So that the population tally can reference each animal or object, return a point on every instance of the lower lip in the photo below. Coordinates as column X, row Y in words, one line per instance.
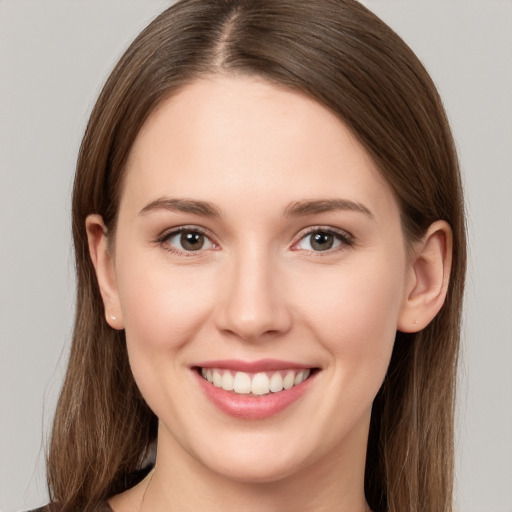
column 253, row 407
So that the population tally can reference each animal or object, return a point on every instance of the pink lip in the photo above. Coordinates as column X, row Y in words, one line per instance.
column 252, row 407
column 262, row 365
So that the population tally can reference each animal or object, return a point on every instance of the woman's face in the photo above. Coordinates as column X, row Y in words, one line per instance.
column 257, row 243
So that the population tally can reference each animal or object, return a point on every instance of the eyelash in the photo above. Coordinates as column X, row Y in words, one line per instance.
column 167, row 235
column 345, row 239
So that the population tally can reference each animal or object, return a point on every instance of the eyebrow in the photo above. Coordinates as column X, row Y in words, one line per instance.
column 303, row 208
column 295, row 209
column 182, row 205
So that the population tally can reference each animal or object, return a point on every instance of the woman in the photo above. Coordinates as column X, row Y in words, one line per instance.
column 270, row 248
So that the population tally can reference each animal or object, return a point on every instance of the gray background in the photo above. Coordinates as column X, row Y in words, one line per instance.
column 54, row 56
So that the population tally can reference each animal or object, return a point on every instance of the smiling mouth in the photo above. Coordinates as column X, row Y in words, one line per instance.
column 255, row 384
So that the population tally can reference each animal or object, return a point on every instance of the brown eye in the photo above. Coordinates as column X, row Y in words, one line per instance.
column 187, row 240
column 321, row 241
column 192, row 241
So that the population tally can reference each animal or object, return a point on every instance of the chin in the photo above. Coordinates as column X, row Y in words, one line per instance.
column 256, row 461
column 262, row 472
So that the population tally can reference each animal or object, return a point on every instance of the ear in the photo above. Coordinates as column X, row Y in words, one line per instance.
column 428, row 278
column 103, row 262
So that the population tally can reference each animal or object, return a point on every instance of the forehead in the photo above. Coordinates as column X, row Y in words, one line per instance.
column 245, row 136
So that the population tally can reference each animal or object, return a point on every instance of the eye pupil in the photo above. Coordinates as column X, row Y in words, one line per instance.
column 191, row 241
column 322, row 241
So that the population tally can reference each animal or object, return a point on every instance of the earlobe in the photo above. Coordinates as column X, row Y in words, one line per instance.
column 429, row 275
column 103, row 262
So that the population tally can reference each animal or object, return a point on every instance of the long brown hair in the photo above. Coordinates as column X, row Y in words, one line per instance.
column 340, row 54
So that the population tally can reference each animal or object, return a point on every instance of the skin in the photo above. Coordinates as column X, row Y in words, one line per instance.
column 259, row 289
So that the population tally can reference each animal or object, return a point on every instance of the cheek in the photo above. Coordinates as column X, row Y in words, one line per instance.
column 355, row 314
column 356, row 325
column 162, row 308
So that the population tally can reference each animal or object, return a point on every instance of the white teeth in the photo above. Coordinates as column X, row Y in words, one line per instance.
column 298, row 378
column 261, row 383
column 217, row 378
column 242, row 383
column 301, row 376
column 227, row 381
column 289, row 380
column 276, row 383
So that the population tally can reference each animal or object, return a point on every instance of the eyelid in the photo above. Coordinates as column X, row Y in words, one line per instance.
column 169, row 233
column 347, row 239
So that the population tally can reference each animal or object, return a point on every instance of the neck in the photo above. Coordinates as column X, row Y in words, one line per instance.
column 333, row 482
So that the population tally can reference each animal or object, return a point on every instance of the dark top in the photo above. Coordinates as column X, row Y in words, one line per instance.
column 129, row 481
column 103, row 507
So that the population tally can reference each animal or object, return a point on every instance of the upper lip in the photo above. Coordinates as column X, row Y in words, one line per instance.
column 261, row 365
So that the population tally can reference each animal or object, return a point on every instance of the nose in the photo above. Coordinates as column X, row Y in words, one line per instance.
column 253, row 304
